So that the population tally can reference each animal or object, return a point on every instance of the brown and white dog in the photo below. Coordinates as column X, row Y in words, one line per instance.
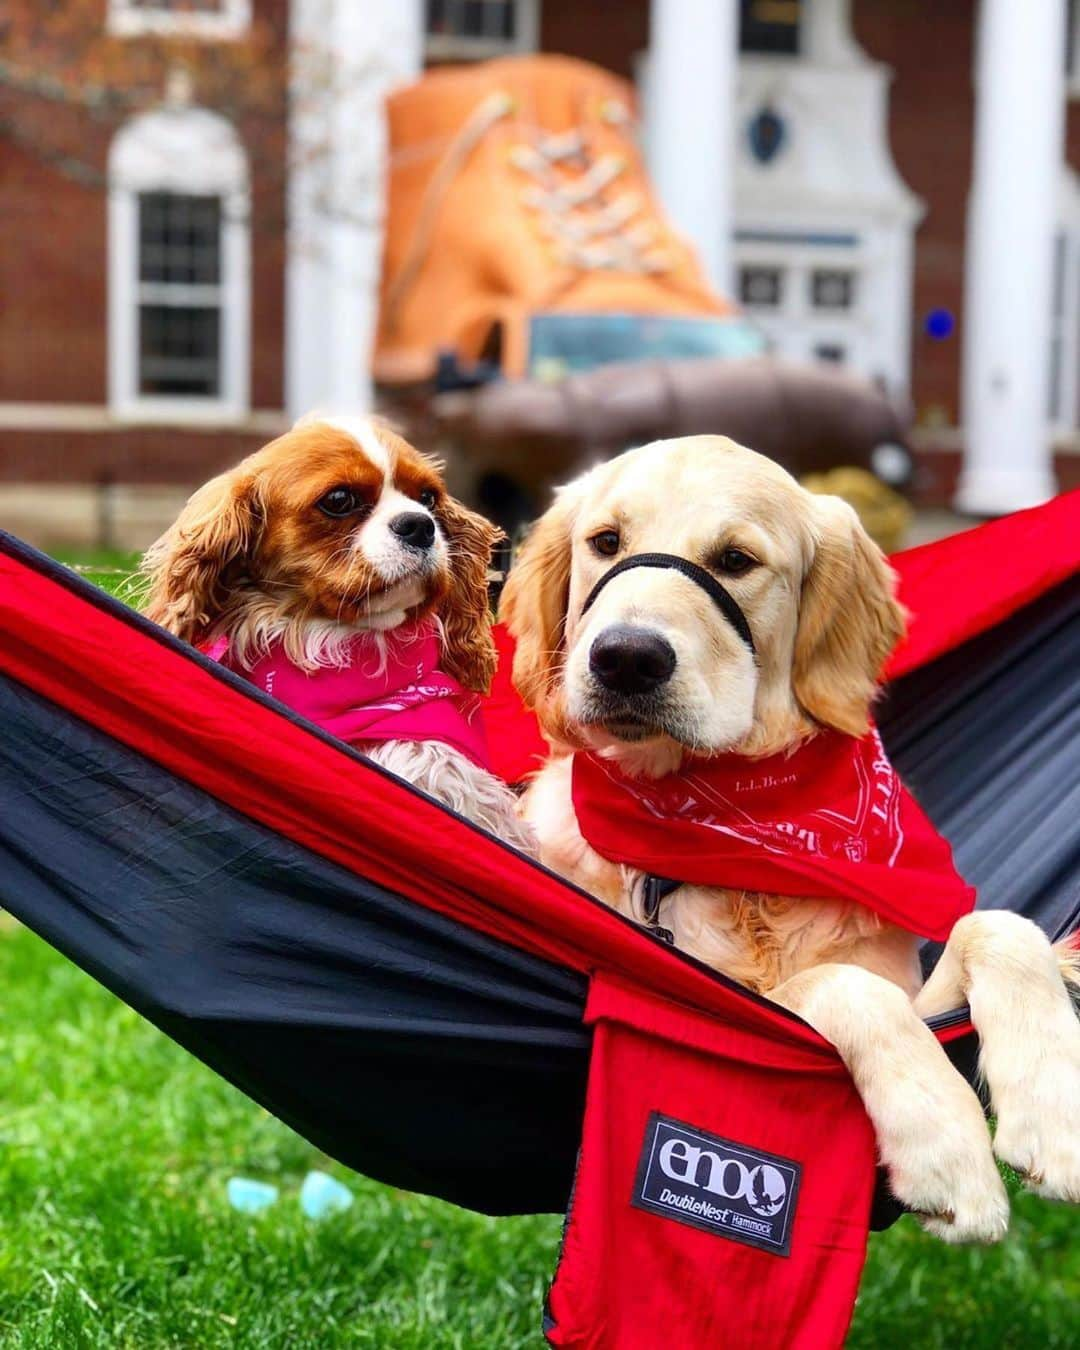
column 341, row 528
column 818, row 597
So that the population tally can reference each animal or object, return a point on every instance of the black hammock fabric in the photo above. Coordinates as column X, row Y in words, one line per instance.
column 405, row 1043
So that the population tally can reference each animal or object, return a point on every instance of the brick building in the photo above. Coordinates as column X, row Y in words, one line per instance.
column 183, row 270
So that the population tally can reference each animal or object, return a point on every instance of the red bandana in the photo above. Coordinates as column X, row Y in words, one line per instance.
column 830, row 819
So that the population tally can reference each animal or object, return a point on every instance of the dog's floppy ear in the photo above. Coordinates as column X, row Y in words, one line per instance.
column 468, row 646
column 849, row 621
column 189, row 569
column 535, row 600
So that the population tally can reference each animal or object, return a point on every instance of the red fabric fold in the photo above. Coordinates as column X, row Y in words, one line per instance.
column 517, row 747
column 959, row 587
column 181, row 714
column 723, row 1188
column 830, row 819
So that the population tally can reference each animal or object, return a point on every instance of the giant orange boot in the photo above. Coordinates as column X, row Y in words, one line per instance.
column 522, row 229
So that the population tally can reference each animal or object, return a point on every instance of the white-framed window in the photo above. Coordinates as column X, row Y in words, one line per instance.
column 476, row 30
column 804, row 291
column 179, row 269
column 210, row 19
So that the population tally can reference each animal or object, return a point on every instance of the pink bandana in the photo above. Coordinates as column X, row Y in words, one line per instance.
column 388, row 689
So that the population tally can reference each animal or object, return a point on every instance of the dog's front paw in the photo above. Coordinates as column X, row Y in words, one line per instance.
column 1038, row 1112
column 956, row 1198
column 941, row 1167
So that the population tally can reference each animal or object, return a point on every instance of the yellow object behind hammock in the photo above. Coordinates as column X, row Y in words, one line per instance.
column 886, row 516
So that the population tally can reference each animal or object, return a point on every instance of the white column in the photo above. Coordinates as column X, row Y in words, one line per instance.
column 691, row 135
column 344, row 57
column 1019, row 114
column 825, row 34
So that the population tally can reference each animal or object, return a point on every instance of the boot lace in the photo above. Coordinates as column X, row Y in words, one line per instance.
column 570, row 192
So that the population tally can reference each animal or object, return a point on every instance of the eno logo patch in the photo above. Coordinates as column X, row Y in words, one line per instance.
column 711, row 1183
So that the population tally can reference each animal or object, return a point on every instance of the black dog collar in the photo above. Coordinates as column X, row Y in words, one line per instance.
column 698, row 575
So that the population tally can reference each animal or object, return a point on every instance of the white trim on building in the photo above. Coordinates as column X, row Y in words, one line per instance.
column 19, row 416
column 188, row 153
column 826, row 198
column 165, row 18
column 827, row 207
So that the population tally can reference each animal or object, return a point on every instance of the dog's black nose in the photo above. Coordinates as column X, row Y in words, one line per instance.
column 414, row 528
column 631, row 660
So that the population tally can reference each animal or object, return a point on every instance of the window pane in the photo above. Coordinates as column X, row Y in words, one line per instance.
column 830, row 351
column 493, row 20
column 179, row 238
column 769, row 26
column 831, row 288
column 507, row 25
column 179, row 350
column 761, row 287
column 473, row 18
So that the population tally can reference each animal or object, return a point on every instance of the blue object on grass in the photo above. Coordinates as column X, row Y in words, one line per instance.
column 321, row 1195
column 250, row 1196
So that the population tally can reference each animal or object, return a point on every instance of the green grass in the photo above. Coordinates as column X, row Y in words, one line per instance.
column 111, row 569
column 115, row 1148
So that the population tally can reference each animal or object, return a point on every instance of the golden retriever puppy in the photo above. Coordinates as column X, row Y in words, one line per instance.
column 687, row 615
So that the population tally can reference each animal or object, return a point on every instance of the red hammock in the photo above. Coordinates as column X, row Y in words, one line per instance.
column 405, row 990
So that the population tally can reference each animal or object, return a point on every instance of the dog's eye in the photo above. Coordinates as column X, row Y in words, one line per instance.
column 429, row 498
column 734, row 562
column 606, row 543
column 339, row 502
